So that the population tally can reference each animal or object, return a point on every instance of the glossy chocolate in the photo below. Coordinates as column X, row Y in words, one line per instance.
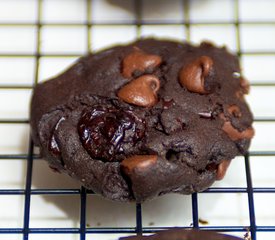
column 138, row 60
column 234, row 134
column 141, row 91
column 235, row 111
column 244, row 85
column 222, row 168
column 193, row 75
column 138, row 161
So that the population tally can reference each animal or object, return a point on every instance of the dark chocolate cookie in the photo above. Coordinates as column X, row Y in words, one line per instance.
column 154, row 117
column 181, row 234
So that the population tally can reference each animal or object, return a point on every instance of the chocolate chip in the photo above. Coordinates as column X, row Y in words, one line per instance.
column 139, row 61
column 235, row 111
column 244, row 85
column 239, row 94
column 244, row 88
column 233, row 133
column 138, row 161
column 141, row 91
column 193, row 75
column 222, row 168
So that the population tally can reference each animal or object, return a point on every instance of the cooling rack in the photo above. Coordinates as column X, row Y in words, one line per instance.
column 182, row 24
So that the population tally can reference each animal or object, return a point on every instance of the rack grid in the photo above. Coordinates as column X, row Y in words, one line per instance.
column 83, row 230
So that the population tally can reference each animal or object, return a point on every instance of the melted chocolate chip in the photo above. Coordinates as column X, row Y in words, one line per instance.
column 244, row 89
column 193, row 75
column 138, row 161
column 234, row 134
column 141, row 91
column 139, row 61
column 104, row 131
column 239, row 94
column 235, row 111
column 222, row 168
column 244, row 85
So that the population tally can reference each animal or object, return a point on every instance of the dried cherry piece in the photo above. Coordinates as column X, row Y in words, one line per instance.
column 105, row 131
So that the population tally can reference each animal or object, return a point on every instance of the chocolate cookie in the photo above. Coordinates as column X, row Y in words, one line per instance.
column 181, row 234
column 138, row 121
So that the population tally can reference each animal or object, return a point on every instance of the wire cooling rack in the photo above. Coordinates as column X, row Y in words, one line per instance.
column 133, row 20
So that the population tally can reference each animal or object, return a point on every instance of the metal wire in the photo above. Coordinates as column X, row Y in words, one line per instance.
column 83, row 230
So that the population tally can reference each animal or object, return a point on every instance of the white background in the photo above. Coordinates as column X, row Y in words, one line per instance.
column 61, row 44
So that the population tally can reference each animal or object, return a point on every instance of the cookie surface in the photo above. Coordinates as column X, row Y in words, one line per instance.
column 181, row 234
column 137, row 121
